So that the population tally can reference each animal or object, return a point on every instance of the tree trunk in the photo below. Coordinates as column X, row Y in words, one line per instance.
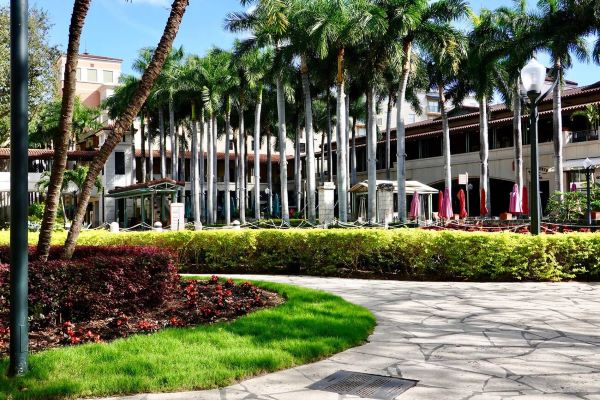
column 236, row 173
column 227, row 197
column 445, row 139
column 201, row 169
column 61, row 142
column 401, row 132
column 329, row 134
column 142, row 146
column 257, row 155
column 269, row 174
column 388, row 137
column 342, row 181
column 484, row 151
column 151, row 157
column 173, row 134
column 558, row 140
column 181, row 150
column 195, row 171
column 162, row 147
column 372, row 151
column 246, row 170
column 209, row 172
column 133, row 180
column 354, row 177
column 242, row 167
column 216, row 172
column 347, row 145
column 298, row 168
column 285, row 211
column 518, row 137
column 322, row 171
column 141, row 94
column 311, row 184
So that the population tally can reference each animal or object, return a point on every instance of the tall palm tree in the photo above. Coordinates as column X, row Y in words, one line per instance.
column 562, row 43
column 122, row 124
column 444, row 57
column 61, row 142
column 416, row 23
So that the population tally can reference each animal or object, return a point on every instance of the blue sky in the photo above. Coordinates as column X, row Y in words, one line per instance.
column 117, row 28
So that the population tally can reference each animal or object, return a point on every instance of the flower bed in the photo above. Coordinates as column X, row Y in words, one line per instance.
column 110, row 292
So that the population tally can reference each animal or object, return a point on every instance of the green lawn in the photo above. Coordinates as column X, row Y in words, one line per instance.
column 309, row 326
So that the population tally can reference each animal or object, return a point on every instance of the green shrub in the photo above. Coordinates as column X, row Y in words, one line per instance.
column 397, row 254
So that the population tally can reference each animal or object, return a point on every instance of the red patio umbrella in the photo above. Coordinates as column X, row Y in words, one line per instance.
column 462, row 204
column 415, row 206
column 483, row 210
column 447, row 204
column 515, row 204
column 525, row 201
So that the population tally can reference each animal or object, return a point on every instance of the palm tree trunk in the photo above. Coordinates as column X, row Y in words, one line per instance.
column 61, row 142
column 559, row 183
column 201, row 176
column 354, row 177
column 285, row 211
column 195, row 171
column 236, row 176
column 518, row 137
column 310, row 145
column 484, row 151
column 246, row 170
column 445, row 139
column 342, row 181
column 329, row 134
column 142, row 146
column 210, row 172
column 372, row 150
column 298, row 168
column 227, row 197
column 257, row 155
column 181, row 150
column 269, row 174
column 322, row 158
column 401, row 132
column 147, row 81
column 216, row 172
column 347, row 145
column 173, row 134
column 242, row 167
column 163, row 153
column 388, row 137
column 133, row 180
column 151, row 157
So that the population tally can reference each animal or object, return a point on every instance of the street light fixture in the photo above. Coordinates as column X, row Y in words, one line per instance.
column 588, row 167
column 533, row 76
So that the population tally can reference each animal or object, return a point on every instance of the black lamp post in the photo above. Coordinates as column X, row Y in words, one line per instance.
column 19, row 143
column 589, row 169
column 533, row 76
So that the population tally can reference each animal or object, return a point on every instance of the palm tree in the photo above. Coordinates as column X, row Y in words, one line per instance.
column 444, row 58
column 591, row 113
column 561, row 42
column 61, row 142
column 122, row 124
column 415, row 23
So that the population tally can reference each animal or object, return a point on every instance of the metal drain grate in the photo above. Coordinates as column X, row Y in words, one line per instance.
column 364, row 385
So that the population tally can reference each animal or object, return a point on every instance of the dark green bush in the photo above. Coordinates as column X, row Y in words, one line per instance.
column 398, row 254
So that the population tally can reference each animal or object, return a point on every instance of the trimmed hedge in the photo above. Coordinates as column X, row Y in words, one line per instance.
column 398, row 254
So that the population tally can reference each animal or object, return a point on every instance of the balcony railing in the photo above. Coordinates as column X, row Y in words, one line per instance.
column 583, row 136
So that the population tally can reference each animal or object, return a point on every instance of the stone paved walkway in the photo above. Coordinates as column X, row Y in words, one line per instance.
column 460, row 340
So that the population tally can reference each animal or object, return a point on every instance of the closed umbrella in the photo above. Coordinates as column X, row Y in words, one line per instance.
column 515, row 205
column 448, row 213
column 483, row 210
column 573, row 187
column 415, row 206
column 441, row 204
column 525, row 201
column 462, row 204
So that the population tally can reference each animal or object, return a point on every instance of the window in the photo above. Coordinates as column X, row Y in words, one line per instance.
column 78, row 74
column 107, row 76
column 412, row 149
column 433, row 106
column 431, row 147
column 92, row 75
column 458, row 143
column 412, row 118
column 119, row 163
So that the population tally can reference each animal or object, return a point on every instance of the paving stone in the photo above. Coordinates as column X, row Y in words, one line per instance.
column 476, row 341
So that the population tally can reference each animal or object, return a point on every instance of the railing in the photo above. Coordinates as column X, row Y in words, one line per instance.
column 583, row 136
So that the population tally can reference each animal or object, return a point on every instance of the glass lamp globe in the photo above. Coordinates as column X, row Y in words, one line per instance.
column 533, row 76
column 587, row 163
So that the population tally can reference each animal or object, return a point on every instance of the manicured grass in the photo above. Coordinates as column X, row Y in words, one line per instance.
column 309, row 326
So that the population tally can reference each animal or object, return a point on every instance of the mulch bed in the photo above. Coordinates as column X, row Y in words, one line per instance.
column 195, row 302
